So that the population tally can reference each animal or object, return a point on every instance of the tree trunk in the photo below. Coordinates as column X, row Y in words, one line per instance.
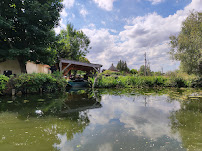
column 22, row 63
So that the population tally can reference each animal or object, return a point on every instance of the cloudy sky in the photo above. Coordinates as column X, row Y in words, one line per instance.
column 126, row 29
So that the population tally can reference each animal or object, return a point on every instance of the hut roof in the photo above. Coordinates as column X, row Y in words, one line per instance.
column 112, row 68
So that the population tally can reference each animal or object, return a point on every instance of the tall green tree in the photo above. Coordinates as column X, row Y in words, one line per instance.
column 142, row 70
column 187, row 45
column 72, row 44
column 26, row 30
column 122, row 66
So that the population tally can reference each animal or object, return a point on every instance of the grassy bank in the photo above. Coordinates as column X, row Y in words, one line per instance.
column 148, row 81
column 32, row 83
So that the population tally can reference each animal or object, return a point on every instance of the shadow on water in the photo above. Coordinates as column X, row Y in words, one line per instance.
column 103, row 119
column 37, row 121
column 187, row 121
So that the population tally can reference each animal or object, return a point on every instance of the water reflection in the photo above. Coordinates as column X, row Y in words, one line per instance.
column 37, row 122
column 126, row 119
column 187, row 122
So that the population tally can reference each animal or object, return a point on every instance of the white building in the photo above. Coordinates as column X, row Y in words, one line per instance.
column 14, row 67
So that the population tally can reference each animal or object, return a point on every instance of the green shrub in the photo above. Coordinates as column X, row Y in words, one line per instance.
column 33, row 82
column 3, row 81
column 195, row 82
column 109, row 72
column 129, row 81
column 178, row 82
column 133, row 71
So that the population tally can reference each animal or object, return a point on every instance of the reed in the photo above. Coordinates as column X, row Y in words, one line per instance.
column 142, row 81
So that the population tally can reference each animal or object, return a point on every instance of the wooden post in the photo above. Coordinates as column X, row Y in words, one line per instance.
column 13, row 92
column 145, row 66
column 60, row 65
column 13, row 98
column 66, row 67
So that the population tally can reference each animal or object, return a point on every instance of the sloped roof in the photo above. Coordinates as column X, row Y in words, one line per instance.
column 112, row 68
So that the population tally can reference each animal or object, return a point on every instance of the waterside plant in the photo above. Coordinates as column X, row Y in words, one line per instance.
column 144, row 81
column 31, row 83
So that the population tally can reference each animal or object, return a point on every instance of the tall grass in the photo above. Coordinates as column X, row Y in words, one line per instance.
column 142, row 81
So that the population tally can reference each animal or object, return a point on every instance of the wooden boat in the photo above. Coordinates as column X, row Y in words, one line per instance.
column 78, row 83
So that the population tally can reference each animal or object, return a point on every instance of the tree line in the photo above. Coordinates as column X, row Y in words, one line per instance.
column 186, row 47
column 26, row 33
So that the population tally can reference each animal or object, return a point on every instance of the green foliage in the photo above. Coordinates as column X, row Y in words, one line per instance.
column 130, row 81
column 176, row 82
column 158, row 73
column 33, row 82
column 72, row 44
column 133, row 71
column 122, row 66
column 187, row 46
column 3, row 81
column 26, row 30
column 109, row 72
column 142, row 70
column 148, row 81
column 182, row 79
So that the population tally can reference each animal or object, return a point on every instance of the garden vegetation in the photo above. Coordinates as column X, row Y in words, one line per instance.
column 32, row 83
column 136, row 81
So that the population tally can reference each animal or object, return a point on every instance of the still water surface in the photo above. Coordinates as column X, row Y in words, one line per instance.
column 102, row 120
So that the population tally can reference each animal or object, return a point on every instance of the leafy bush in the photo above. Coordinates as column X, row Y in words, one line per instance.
column 33, row 82
column 129, row 81
column 3, row 81
column 148, row 81
column 109, row 72
column 176, row 82
column 195, row 82
column 133, row 71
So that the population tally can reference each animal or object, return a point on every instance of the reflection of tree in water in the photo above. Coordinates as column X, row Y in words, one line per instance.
column 187, row 122
column 23, row 127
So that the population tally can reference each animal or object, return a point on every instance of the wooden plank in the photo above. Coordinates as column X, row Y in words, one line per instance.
column 96, row 69
column 66, row 67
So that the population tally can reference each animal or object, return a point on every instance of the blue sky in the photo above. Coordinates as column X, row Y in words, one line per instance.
column 126, row 29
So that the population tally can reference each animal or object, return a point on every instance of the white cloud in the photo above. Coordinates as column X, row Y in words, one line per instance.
column 73, row 16
column 149, row 33
column 103, row 22
column 154, row 2
column 106, row 146
column 68, row 3
column 63, row 13
column 83, row 12
column 105, row 4
column 60, row 27
column 143, row 120
column 91, row 25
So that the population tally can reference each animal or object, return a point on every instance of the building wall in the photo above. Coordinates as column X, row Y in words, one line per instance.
column 36, row 68
column 31, row 67
column 12, row 65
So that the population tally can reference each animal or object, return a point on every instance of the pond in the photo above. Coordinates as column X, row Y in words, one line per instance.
column 103, row 120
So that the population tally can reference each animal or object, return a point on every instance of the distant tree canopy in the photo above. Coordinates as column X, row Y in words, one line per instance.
column 133, row 71
column 187, row 45
column 26, row 30
column 122, row 66
column 72, row 44
column 142, row 70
